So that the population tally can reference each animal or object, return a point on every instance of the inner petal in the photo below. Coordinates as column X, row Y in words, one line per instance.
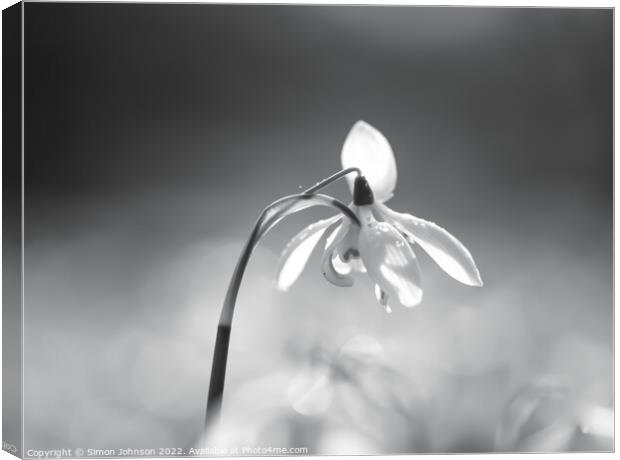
column 298, row 251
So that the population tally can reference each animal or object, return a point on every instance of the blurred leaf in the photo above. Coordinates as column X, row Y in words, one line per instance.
column 539, row 418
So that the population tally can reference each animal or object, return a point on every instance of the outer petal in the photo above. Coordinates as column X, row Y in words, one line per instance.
column 298, row 251
column 276, row 214
column 449, row 253
column 295, row 203
column 390, row 262
column 366, row 148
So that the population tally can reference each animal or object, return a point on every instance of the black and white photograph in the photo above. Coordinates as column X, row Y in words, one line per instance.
column 239, row 230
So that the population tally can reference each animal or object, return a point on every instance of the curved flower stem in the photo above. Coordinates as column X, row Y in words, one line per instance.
column 267, row 219
column 334, row 177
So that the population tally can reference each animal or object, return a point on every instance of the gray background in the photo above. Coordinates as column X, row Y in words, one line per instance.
column 156, row 133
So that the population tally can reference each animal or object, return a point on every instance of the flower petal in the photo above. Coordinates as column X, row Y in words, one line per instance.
column 347, row 253
column 366, row 148
column 382, row 298
column 341, row 266
column 291, row 204
column 298, row 251
column 357, row 265
column 352, row 265
column 449, row 253
column 390, row 262
column 329, row 270
column 347, row 247
column 277, row 213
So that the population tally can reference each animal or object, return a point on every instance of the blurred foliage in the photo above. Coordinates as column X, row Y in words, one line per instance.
column 352, row 400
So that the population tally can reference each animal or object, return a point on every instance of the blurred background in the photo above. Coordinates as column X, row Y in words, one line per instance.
column 154, row 136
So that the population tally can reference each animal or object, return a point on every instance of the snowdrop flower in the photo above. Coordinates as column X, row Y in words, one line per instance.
column 383, row 245
column 366, row 236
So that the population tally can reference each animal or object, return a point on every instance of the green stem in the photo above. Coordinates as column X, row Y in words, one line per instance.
column 263, row 224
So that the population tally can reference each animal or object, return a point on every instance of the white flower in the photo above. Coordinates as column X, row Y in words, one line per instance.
column 383, row 245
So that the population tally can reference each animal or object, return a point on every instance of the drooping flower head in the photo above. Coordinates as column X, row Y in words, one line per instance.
column 383, row 245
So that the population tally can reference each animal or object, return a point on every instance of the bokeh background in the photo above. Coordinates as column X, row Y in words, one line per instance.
column 154, row 135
